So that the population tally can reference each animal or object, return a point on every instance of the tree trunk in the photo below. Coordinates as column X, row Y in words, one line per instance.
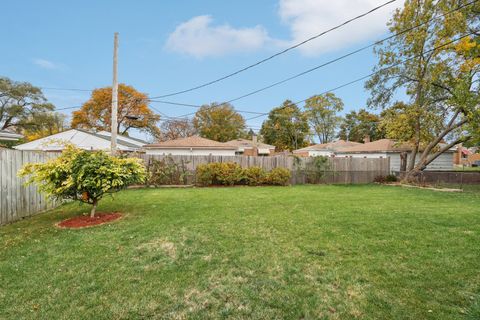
column 94, row 208
column 425, row 161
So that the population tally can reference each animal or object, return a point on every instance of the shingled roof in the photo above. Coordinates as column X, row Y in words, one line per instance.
column 382, row 145
column 249, row 144
column 194, row 142
column 331, row 146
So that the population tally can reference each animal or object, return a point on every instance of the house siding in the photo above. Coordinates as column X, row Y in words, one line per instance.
column 443, row 162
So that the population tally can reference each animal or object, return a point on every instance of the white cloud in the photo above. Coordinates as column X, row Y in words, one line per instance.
column 199, row 38
column 46, row 64
column 306, row 18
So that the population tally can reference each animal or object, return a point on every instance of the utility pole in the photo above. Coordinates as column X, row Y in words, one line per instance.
column 113, row 137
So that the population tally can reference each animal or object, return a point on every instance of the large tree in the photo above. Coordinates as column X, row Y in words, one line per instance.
column 356, row 126
column 437, row 66
column 176, row 128
column 322, row 114
column 219, row 122
column 47, row 124
column 21, row 105
column 286, row 127
column 133, row 111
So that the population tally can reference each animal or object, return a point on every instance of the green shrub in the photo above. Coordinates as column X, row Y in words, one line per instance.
column 279, row 177
column 219, row 173
column 84, row 176
column 254, row 176
column 229, row 173
column 204, row 175
column 167, row 172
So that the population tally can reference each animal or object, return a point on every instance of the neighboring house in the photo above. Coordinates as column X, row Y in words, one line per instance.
column 474, row 159
column 324, row 149
column 461, row 155
column 82, row 139
column 252, row 147
column 387, row 148
column 194, row 145
column 9, row 136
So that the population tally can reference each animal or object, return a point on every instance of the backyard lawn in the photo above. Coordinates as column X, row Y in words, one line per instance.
column 303, row 252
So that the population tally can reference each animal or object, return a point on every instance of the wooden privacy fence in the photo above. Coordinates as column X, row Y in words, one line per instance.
column 17, row 200
column 338, row 170
column 446, row 177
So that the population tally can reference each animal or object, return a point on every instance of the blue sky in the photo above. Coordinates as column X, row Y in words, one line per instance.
column 167, row 46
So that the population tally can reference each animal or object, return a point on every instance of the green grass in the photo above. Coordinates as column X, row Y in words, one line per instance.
column 466, row 169
column 304, row 252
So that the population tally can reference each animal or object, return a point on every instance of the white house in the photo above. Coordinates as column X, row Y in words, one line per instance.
column 324, row 149
column 82, row 139
column 9, row 136
column 194, row 145
column 387, row 148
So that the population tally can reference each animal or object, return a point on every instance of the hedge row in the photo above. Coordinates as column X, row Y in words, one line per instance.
column 231, row 173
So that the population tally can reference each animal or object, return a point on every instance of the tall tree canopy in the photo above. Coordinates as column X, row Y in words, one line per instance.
column 21, row 105
column 438, row 73
column 357, row 125
column 48, row 124
column 219, row 122
column 286, row 127
column 133, row 111
column 176, row 128
column 322, row 114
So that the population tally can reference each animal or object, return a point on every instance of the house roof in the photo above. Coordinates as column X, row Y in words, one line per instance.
column 194, row 142
column 245, row 143
column 331, row 146
column 9, row 136
column 127, row 140
column 80, row 138
column 382, row 145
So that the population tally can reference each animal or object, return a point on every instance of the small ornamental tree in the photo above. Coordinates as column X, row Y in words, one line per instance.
column 84, row 176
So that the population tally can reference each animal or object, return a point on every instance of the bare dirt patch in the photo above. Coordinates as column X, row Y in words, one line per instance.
column 87, row 221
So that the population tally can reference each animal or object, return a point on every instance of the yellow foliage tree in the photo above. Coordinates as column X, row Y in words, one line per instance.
column 133, row 111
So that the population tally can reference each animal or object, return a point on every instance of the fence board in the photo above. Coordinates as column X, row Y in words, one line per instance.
column 18, row 201
column 340, row 170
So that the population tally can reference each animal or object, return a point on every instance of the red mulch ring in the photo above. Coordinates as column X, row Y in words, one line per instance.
column 86, row 221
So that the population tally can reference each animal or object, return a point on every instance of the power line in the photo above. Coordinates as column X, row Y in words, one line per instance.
column 348, row 54
column 294, row 76
column 323, row 64
column 198, row 106
column 276, row 54
column 369, row 75
column 65, row 89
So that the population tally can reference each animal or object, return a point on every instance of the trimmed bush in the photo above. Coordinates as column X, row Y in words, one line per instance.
column 219, row 173
column 254, row 176
column 204, row 175
column 279, row 177
column 231, row 173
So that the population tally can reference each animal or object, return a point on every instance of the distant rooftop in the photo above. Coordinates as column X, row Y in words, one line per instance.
column 249, row 144
column 194, row 142
column 331, row 146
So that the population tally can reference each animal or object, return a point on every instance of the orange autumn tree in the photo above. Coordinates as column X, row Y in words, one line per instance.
column 133, row 111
